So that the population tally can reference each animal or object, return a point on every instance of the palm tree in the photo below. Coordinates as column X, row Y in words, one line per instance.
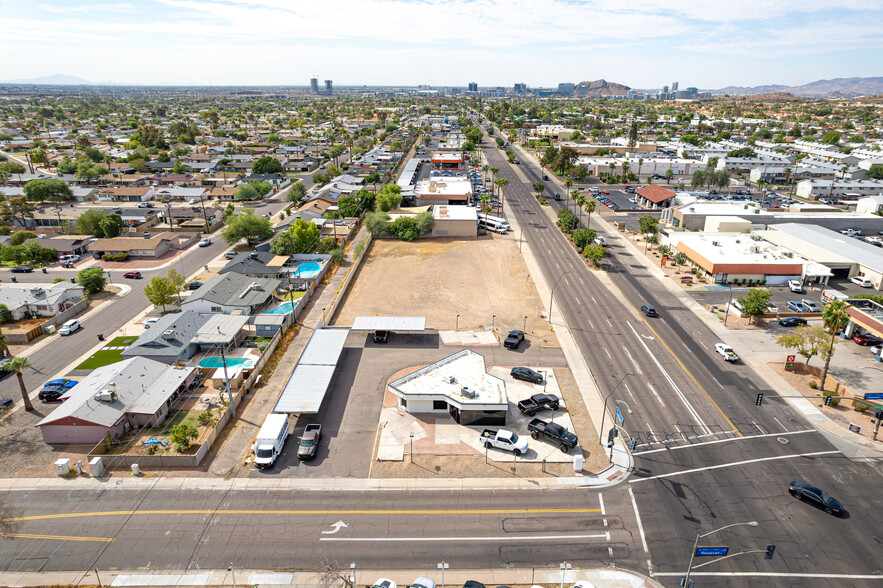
column 834, row 316
column 625, row 169
column 640, row 163
column 669, row 174
column 17, row 364
column 501, row 183
column 485, row 168
column 590, row 208
column 612, row 166
column 568, row 183
column 578, row 203
column 494, row 171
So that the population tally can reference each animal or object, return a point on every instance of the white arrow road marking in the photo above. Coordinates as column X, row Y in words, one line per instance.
column 336, row 527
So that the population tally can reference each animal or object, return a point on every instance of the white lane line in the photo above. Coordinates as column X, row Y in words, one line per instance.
column 652, row 434
column 632, row 359
column 593, row 298
column 640, row 526
column 604, row 519
column 759, row 430
column 577, row 300
column 591, row 323
column 780, row 424
column 581, row 281
column 608, row 353
column 632, row 396
column 608, row 322
column 701, row 343
column 503, row 539
column 745, row 438
column 716, row 382
column 735, row 463
column 777, row 575
column 685, row 346
column 677, row 390
column 656, row 394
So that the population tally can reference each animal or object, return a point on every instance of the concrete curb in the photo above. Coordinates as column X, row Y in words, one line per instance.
column 601, row 577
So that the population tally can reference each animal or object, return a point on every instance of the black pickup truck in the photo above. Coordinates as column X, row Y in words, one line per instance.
column 538, row 402
column 552, row 432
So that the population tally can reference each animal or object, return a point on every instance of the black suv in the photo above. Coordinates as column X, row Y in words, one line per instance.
column 514, row 339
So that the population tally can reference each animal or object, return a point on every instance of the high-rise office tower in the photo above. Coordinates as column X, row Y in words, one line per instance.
column 328, row 88
column 314, row 86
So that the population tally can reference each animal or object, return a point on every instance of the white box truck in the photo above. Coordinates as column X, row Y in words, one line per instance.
column 270, row 440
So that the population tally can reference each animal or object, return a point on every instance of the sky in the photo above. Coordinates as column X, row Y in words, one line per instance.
column 640, row 43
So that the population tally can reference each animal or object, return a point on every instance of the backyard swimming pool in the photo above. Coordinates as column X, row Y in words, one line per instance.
column 308, row 269
column 284, row 308
column 215, row 362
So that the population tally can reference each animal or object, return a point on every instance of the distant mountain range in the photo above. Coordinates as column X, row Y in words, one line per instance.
column 601, row 88
column 846, row 87
column 53, row 80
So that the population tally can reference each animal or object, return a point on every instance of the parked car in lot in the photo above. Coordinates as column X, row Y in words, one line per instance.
column 69, row 327
column 22, row 269
column 552, row 432
column 810, row 305
column 795, row 286
column 513, row 340
column 384, row 583
column 538, row 402
column 504, row 439
column 54, row 389
column 600, row 240
column 796, row 306
column 816, row 497
column 876, row 349
column 309, row 442
column 726, row 351
column 132, row 275
column 526, row 374
column 867, row 339
column 422, row 582
column 861, row 281
column 792, row 321
column 648, row 310
column 381, row 336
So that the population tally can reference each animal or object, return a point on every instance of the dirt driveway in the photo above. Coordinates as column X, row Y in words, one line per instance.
column 441, row 278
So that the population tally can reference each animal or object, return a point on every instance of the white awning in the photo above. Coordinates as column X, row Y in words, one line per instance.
column 389, row 323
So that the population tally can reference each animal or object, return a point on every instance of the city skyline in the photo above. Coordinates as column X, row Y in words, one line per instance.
column 644, row 45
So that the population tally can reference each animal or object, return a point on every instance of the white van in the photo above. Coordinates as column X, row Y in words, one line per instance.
column 69, row 327
column 270, row 440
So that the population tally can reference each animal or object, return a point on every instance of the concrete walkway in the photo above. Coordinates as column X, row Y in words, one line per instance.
column 600, row 577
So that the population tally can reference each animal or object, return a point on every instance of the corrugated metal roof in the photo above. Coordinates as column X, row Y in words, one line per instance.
column 306, row 388
column 389, row 323
column 324, row 347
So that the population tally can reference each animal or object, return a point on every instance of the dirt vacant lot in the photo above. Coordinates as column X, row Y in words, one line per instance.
column 441, row 278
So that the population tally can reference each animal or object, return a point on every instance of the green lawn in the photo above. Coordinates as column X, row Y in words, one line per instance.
column 106, row 356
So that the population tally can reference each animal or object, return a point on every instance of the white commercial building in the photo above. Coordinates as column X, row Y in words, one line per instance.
column 839, row 189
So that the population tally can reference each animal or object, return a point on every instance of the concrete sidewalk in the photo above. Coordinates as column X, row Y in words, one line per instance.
column 600, row 577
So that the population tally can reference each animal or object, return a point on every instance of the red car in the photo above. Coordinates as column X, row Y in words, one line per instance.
column 605, row 192
column 867, row 339
column 132, row 275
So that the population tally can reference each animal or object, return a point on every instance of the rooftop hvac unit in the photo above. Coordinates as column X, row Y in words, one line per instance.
column 788, row 254
column 106, row 395
column 755, row 249
column 468, row 392
column 716, row 243
column 755, row 237
column 37, row 291
column 168, row 334
column 450, row 380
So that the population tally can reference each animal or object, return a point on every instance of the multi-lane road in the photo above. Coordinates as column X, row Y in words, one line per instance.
column 706, row 458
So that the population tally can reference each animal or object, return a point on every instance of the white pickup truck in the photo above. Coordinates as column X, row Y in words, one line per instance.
column 504, row 439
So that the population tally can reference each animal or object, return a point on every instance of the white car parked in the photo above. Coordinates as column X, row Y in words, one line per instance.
column 726, row 351
column 69, row 327
column 861, row 281
column 599, row 240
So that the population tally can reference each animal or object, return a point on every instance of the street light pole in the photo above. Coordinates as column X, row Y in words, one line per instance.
column 552, row 295
column 458, row 323
column 696, row 544
column 604, row 411
column 729, row 301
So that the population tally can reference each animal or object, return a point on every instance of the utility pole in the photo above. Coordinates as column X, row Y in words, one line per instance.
column 227, row 383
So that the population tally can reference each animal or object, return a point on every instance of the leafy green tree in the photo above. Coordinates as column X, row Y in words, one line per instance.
column 755, row 302
column 580, row 238
column 246, row 192
column 177, row 280
column 89, row 222
column 267, row 165
column 18, row 365
column 263, row 188
column 404, row 228
column 92, row 280
column 246, row 226
column 179, row 168
column 111, row 225
column 389, row 197
column 834, row 316
column 377, row 223
column 424, row 222
column 594, row 253
column 698, row 179
column 808, row 341
column 182, row 435
column 20, row 237
column 301, row 237
column 18, row 208
column 5, row 317
column 831, row 138
column 38, row 156
column 743, row 152
column 349, row 206
column 160, row 291
column 876, row 171
column 648, row 224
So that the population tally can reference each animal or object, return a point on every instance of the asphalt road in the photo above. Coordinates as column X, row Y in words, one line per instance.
column 683, row 395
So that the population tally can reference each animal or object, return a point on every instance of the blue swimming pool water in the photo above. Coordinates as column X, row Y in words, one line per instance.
column 308, row 269
column 284, row 308
column 215, row 362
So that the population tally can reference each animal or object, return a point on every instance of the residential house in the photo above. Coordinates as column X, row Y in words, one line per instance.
column 67, row 244
column 40, row 300
column 142, row 246
column 232, row 293
column 170, row 339
column 179, row 193
column 133, row 194
column 136, row 392
column 258, row 264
